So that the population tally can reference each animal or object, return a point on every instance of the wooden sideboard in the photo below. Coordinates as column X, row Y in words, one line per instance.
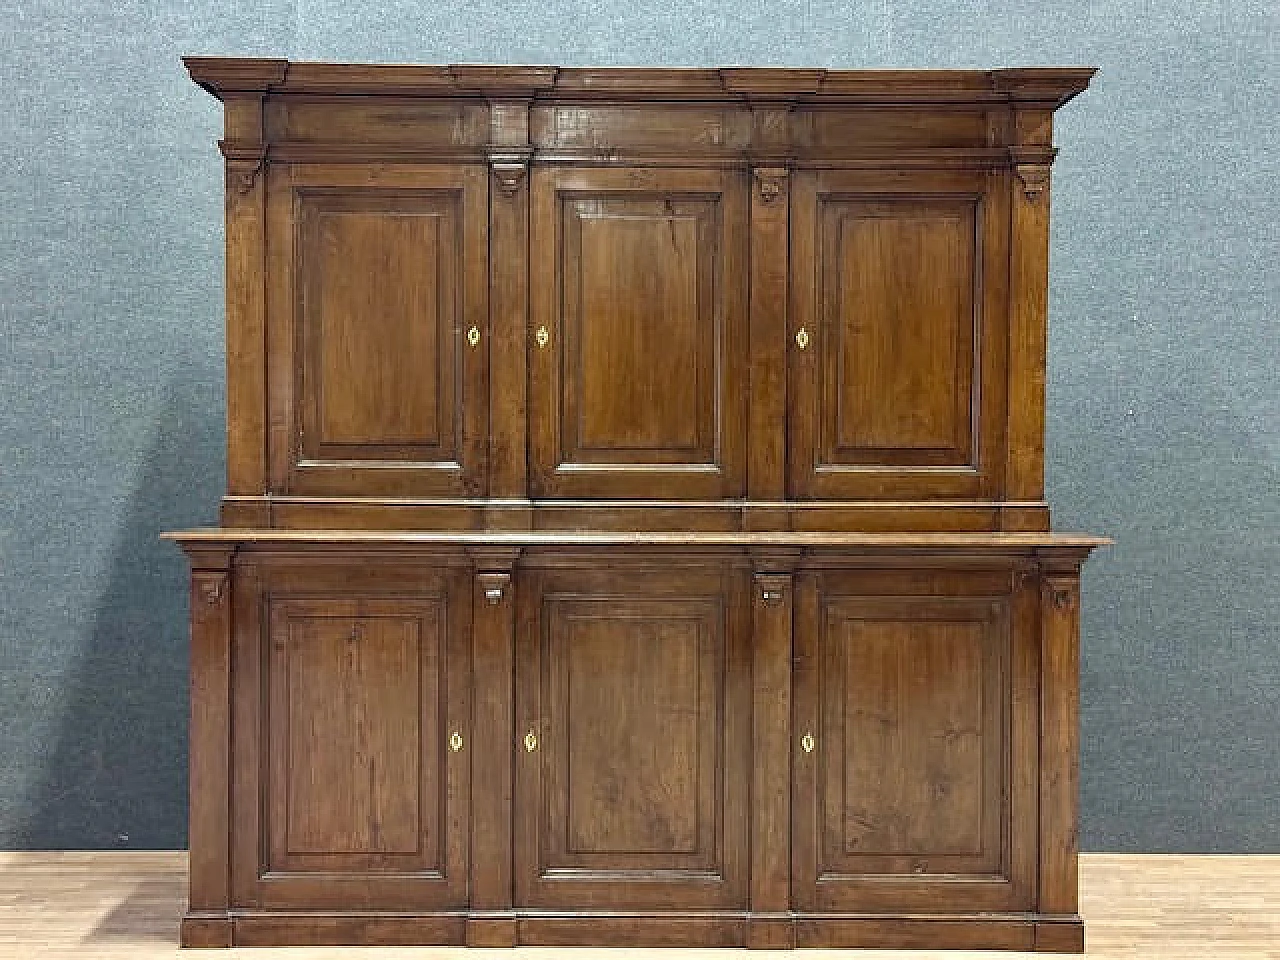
column 635, row 526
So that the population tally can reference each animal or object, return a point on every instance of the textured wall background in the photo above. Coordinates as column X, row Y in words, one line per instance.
column 1164, row 397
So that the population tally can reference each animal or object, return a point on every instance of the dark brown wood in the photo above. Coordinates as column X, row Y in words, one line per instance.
column 632, row 791
column 347, row 737
column 771, row 604
column 245, row 200
column 379, row 279
column 209, row 823
column 911, row 801
column 492, row 922
column 896, row 382
column 770, row 207
column 1059, row 734
column 508, row 296
column 639, row 341
column 634, row 530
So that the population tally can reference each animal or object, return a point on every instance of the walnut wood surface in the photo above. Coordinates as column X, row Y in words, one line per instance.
column 635, row 528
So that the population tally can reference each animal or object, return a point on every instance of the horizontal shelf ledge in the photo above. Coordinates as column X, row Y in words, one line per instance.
column 535, row 538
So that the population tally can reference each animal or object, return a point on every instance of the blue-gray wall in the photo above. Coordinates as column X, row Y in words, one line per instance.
column 1164, row 404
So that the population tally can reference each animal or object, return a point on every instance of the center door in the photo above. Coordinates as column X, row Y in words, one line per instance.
column 633, row 695
column 638, row 333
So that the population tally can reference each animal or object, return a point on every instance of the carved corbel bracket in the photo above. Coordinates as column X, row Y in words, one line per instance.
column 1035, row 179
column 1062, row 593
column 493, row 569
column 771, row 181
column 494, row 586
column 509, row 175
column 772, row 587
column 243, row 167
column 1032, row 165
column 211, row 587
column 1064, row 598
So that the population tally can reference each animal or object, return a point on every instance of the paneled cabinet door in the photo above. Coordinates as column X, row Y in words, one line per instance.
column 898, row 342
column 378, row 329
column 915, row 753
column 632, row 759
column 638, row 333
column 352, row 775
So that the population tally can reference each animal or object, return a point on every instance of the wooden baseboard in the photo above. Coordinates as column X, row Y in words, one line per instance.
column 716, row 929
column 198, row 930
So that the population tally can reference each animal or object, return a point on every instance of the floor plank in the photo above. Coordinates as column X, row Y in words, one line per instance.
column 117, row 905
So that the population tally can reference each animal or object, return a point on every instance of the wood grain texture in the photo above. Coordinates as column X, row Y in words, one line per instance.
column 908, row 802
column 772, row 607
column 770, row 268
column 634, row 794
column 208, row 824
column 346, row 788
column 245, row 205
column 639, row 342
column 377, row 277
column 899, row 386
column 493, row 608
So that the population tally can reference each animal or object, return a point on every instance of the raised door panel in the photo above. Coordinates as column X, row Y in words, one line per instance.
column 364, row 798
column 909, row 791
column 638, row 344
column 897, row 379
column 633, row 794
column 378, row 279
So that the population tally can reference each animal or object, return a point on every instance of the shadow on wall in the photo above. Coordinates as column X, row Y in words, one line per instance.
column 115, row 771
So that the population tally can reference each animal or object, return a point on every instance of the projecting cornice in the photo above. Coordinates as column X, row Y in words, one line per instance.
column 1043, row 86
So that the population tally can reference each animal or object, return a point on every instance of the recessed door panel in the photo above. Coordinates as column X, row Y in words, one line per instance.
column 364, row 682
column 631, row 784
column 895, row 382
column 905, row 790
column 637, row 333
column 387, row 277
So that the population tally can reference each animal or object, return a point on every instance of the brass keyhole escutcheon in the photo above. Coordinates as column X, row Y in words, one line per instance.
column 530, row 741
column 473, row 336
column 542, row 337
column 807, row 743
column 455, row 741
column 802, row 338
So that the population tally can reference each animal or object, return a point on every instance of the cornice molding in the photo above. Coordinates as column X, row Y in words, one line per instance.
column 1046, row 87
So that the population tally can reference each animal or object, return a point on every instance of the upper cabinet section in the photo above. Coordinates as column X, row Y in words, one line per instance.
column 532, row 296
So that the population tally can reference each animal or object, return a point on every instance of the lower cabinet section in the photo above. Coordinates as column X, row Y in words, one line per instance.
column 729, row 744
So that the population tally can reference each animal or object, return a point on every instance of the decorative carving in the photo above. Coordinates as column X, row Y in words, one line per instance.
column 211, row 589
column 1064, row 597
column 494, row 586
column 243, row 171
column 1035, row 179
column 773, row 587
column 771, row 181
column 509, row 176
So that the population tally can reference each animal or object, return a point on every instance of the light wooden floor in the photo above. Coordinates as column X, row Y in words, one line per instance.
column 112, row 906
